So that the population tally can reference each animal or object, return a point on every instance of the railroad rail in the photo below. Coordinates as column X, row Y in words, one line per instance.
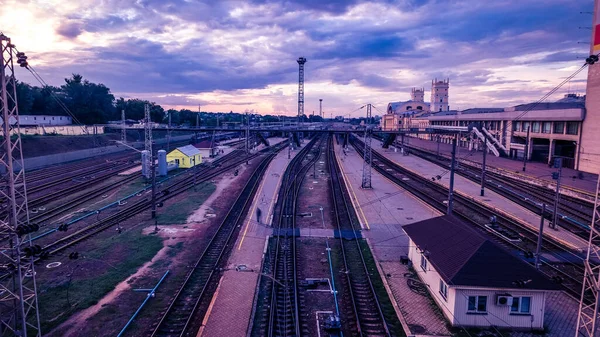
column 565, row 266
column 574, row 214
column 185, row 312
column 367, row 310
column 284, row 314
column 168, row 192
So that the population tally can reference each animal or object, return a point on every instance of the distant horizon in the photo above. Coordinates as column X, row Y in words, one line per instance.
column 241, row 55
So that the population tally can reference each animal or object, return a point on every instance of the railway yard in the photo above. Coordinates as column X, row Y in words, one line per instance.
column 281, row 240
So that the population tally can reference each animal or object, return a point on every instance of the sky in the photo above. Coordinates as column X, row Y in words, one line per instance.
column 241, row 55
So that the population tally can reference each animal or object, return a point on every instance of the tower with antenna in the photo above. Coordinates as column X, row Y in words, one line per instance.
column 19, row 315
column 321, row 108
column 301, row 61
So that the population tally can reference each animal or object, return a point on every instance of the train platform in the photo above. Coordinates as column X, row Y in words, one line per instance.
column 383, row 210
column 534, row 170
column 471, row 190
column 231, row 308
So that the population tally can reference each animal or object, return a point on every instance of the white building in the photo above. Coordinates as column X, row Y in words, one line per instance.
column 473, row 281
column 37, row 120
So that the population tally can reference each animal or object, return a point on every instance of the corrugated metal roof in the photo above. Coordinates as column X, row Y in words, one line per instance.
column 189, row 150
column 463, row 256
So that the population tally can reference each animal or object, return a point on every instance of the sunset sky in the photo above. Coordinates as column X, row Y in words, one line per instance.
column 241, row 55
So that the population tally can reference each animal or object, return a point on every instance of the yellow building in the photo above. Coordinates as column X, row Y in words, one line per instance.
column 185, row 156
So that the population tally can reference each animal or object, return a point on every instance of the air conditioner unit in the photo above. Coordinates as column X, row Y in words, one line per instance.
column 504, row 300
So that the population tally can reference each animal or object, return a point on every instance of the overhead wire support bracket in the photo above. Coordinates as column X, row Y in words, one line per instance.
column 19, row 313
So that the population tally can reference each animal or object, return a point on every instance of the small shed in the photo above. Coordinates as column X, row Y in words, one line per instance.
column 185, row 156
column 474, row 282
column 206, row 148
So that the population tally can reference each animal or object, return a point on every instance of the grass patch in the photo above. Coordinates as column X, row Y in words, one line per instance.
column 386, row 304
column 177, row 213
column 94, row 275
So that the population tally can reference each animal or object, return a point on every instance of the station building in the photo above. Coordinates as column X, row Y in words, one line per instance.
column 568, row 128
column 185, row 156
column 474, row 282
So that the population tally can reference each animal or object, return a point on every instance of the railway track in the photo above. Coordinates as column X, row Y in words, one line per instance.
column 574, row 214
column 185, row 312
column 168, row 192
column 284, row 314
column 558, row 262
column 367, row 310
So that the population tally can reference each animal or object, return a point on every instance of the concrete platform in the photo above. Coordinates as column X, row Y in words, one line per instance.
column 231, row 309
column 534, row 170
column 384, row 210
column 493, row 200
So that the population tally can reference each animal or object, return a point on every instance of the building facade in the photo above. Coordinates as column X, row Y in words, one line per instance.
column 185, row 156
column 474, row 282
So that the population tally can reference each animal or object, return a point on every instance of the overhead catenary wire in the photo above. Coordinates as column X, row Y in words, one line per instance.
column 39, row 78
column 531, row 107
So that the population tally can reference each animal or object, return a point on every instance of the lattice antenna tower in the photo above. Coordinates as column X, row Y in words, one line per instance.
column 148, row 139
column 19, row 315
column 590, row 294
column 321, row 108
column 368, row 157
column 301, row 61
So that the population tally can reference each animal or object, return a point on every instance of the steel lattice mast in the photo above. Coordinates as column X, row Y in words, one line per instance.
column 301, row 61
column 368, row 157
column 590, row 293
column 19, row 314
column 148, row 138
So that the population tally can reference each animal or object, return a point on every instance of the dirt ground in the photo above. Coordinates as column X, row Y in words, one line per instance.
column 179, row 247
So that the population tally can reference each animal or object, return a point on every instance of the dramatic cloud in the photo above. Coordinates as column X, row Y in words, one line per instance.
column 238, row 55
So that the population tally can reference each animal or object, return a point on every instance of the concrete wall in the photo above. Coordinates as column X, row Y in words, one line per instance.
column 589, row 149
column 53, row 159
column 67, row 130
column 455, row 306
column 431, row 278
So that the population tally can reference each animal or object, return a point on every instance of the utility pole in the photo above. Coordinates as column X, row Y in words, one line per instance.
column 368, row 155
column 148, row 138
column 19, row 315
column 539, row 241
column 301, row 61
column 123, row 131
column 557, row 164
column 153, row 168
column 525, row 155
column 169, row 134
column 483, row 166
column 194, row 171
column 321, row 108
column 247, row 133
column 368, row 121
column 452, row 165
column 438, row 145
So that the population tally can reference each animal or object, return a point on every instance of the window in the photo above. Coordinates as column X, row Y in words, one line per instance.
column 546, row 127
column 441, row 100
column 521, row 305
column 443, row 289
column 524, row 126
column 559, row 127
column 572, row 128
column 477, row 304
column 535, row 127
column 517, row 126
column 423, row 263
